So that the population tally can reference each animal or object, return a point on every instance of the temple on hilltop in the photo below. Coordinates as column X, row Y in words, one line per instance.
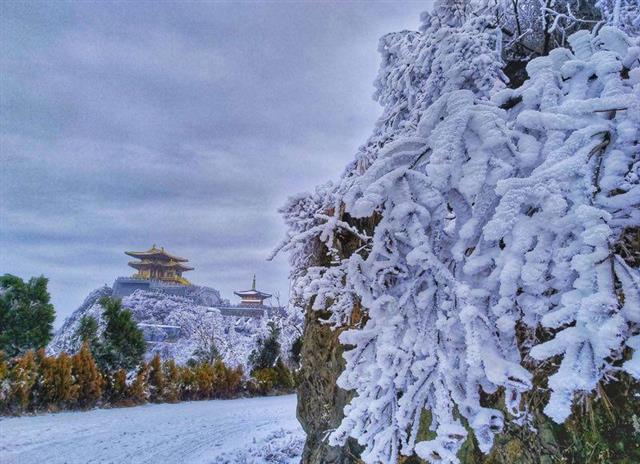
column 156, row 270
column 160, row 271
column 157, row 264
column 253, row 297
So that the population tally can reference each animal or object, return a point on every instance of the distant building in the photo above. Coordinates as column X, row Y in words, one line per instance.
column 253, row 297
column 159, row 270
column 156, row 270
column 251, row 304
column 157, row 264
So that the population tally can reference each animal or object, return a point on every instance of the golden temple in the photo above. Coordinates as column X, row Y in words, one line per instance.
column 157, row 264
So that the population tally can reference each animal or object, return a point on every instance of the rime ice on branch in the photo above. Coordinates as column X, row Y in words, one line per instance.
column 499, row 214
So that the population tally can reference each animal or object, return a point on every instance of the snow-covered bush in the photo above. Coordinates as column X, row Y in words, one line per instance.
column 495, row 217
column 278, row 447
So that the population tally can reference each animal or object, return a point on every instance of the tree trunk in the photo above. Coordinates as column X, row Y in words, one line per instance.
column 320, row 400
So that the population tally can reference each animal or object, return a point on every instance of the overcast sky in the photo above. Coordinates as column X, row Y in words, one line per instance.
column 185, row 125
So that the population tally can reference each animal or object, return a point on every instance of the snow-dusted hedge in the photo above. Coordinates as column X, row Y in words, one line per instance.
column 499, row 216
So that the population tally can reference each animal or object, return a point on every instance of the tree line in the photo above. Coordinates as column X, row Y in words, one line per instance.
column 35, row 382
column 109, row 368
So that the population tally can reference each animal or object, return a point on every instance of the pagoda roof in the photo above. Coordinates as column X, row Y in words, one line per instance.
column 168, row 265
column 255, row 293
column 157, row 253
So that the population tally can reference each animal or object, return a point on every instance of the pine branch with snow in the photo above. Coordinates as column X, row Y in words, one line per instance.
column 498, row 215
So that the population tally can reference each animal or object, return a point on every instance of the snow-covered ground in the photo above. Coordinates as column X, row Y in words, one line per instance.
column 251, row 431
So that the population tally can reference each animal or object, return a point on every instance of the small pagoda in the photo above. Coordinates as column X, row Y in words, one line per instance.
column 157, row 264
column 253, row 297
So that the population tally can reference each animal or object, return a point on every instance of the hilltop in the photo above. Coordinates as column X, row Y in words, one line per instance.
column 176, row 326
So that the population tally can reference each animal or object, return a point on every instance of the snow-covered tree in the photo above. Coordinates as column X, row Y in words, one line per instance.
column 486, row 224
column 622, row 14
column 267, row 350
column 578, row 125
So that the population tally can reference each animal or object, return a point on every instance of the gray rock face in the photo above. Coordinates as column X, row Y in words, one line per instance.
column 320, row 400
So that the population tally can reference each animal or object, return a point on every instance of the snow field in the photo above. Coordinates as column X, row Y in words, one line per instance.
column 250, row 431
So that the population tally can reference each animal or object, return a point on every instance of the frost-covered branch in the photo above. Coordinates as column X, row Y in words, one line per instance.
column 499, row 211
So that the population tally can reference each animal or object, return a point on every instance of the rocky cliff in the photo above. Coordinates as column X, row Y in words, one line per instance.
column 320, row 400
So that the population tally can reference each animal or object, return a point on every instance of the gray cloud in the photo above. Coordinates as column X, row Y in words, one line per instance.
column 125, row 124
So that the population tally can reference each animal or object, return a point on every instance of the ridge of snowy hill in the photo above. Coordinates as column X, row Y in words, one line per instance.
column 178, row 326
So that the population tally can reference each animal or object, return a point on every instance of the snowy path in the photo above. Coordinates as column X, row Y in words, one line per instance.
column 191, row 432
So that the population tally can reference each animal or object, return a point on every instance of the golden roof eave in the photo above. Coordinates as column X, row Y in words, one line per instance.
column 173, row 265
column 155, row 252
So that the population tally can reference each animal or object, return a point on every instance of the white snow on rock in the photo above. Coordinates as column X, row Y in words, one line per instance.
column 177, row 326
column 243, row 431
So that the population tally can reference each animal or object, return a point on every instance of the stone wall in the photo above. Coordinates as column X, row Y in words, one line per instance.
column 124, row 286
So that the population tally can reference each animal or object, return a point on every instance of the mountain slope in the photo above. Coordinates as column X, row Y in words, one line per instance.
column 178, row 326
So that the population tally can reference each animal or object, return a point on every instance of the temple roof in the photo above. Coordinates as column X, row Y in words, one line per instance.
column 169, row 265
column 155, row 253
column 253, row 292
